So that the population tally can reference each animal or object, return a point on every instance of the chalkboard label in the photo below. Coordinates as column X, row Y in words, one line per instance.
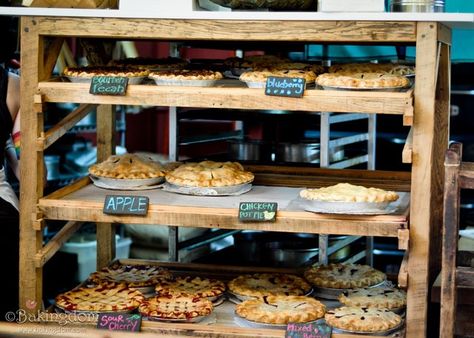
column 308, row 330
column 126, row 205
column 108, row 85
column 119, row 322
column 258, row 211
column 285, row 86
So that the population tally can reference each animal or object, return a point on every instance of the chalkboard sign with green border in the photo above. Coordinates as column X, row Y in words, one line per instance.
column 108, row 85
column 126, row 205
column 285, row 86
column 257, row 211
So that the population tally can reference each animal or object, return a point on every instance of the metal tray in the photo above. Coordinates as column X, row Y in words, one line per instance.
column 351, row 208
column 185, row 83
column 208, row 191
column 388, row 332
column 133, row 80
column 127, row 184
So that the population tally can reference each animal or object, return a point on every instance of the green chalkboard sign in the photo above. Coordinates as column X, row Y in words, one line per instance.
column 119, row 322
column 108, row 85
column 285, row 86
column 258, row 211
column 308, row 330
column 126, row 205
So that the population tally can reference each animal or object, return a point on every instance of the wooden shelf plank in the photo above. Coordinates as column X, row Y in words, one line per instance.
column 235, row 97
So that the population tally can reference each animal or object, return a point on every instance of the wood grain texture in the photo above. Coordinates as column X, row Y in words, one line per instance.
column 403, row 273
column 407, row 153
column 231, row 30
column 234, row 97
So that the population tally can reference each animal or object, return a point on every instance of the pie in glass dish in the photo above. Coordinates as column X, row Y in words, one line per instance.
column 359, row 319
column 260, row 285
column 343, row 276
column 182, row 308
column 128, row 166
column 383, row 297
column 209, row 174
column 281, row 309
column 191, row 286
column 105, row 297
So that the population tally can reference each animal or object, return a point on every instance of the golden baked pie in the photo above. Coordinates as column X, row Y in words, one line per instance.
column 181, row 307
column 316, row 69
column 265, row 284
column 362, row 319
column 209, row 174
column 185, row 74
column 362, row 80
column 132, row 275
column 105, row 297
column 151, row 63
column 89, row 72
column 343, row 276
column 281, row 309
column 378, row 297
column 346, row 192
column 128, row 166
column 389, row 68
column 190, row 286
column 262, row 75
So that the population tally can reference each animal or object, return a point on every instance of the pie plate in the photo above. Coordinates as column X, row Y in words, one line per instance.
column 384, row 89
column 353, row 208
column 185, row 83
column 368, row 333
column 333, row 293
column 243, row 322
column 238, row 189
column 80, row 79
column 127, row 184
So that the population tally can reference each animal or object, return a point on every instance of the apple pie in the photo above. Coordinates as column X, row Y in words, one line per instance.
column 116, row 297
column 281, row 309
column 209, row 174
column 362, row 80
column 346, row 192
column 378, row 297
column 132, row 275
column 175, row 308
column 128, row 166
column 265, row 284
column 343, row 276
column 190, row 286
column 90, row 71
column 362, row 319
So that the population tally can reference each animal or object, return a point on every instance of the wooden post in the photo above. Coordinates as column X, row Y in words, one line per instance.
column 430, row 140
column 105, row 148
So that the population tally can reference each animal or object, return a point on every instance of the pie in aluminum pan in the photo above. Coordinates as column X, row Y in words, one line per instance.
column 209, row 174
column 106, row 297
column 346, row 192
column 281, row 309
column 89, row 72
column 343, row 276
column 362, row 319
column 362, row 80
column 133, row 275
column 190, row 286
column 185, row 74
column 265, row 284
column 376, row 297
column 180, row 307
column 128, row 166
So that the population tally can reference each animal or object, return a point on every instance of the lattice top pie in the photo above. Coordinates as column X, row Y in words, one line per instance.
column 180, row 307
column 209, row 174
column 185, row 74
column 190, row 286
column 127, row 166
column 362, row 80
column 262, row 75
column 89, row 72
column 132, row 275
column 265, row 284
column 389, row 68
column 344, row 276
column 105, row 297
column 378, row 297
column 281, row 309
column 346, row 192
column 362, row 319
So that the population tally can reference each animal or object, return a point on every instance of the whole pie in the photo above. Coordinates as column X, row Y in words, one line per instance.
column 362, row 80
column 190, row 286
column 132, row 275
column 209, row 174
column 262, row 75
column 105, row 297
column 265, row 284
column 186, row 74
column 281, row 309
column 346, row 192
column 180, row 307
column 343, row 276
column 362, row 319
column 389, row 68
column 377, row 297
column 128, row 166
column 89, row 72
